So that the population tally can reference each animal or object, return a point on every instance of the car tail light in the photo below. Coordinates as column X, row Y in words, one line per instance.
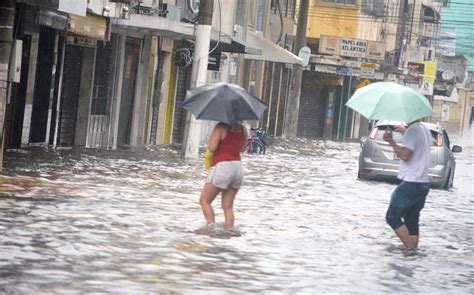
column 372, row 133
column 366, row 171
column 439, row 140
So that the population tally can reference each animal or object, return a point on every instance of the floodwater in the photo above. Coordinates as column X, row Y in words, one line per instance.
column 129, row 222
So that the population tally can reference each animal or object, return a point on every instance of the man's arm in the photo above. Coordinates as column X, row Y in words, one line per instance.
column 402, row 152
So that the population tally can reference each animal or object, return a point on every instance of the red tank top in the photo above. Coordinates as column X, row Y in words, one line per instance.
column 230, row 147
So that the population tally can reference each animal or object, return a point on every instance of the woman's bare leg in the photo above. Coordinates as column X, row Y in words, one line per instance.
column 208, row 194
column 228, row 197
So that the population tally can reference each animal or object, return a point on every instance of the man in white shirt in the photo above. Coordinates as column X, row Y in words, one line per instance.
column 410, row 195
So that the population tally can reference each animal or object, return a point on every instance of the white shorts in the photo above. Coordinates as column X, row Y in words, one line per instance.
column 226, row 174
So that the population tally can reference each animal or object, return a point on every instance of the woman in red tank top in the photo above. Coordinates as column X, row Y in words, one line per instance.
column 226, row 142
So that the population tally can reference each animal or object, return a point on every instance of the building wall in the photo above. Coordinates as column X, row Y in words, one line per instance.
column 332, row 19
column 141, row 93
column 453, row 113
column 382, row 28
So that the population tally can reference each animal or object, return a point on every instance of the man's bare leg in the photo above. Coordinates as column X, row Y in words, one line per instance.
column 208, row 194
column 415, row 240
column 404, row 235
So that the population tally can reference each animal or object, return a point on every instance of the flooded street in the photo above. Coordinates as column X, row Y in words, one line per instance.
column 123, row 222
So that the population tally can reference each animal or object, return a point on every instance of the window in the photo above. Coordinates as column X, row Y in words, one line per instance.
column 260, row 15
column 339, row 2
column 239, row 18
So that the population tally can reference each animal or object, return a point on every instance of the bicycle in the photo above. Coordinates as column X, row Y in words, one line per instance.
column 257, row 141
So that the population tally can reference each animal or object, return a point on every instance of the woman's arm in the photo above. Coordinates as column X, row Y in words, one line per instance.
column 216, row 137
column 244, row 130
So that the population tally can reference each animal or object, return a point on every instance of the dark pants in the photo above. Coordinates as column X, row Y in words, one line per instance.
column 407, row 201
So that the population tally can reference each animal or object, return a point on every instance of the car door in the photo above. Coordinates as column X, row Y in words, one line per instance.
column 448, row 155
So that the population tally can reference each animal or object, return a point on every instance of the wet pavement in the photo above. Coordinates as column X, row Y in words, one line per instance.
column 128, row 222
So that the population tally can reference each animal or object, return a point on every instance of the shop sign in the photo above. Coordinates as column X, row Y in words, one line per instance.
column 330, row 79
column 214, row 60
column 429, row 77
column 367, row 70
column 363, row 83
column 90, row 26
column 415, row 70
column 305, row 54
column 375, row 50
column 184, row 57
column 342, row 70
column 351, row 47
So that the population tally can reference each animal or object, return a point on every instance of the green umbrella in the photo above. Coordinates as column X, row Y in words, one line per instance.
column 390, row 101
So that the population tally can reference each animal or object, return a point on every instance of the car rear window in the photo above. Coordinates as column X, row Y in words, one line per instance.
column 381, row 130
column 398, row 136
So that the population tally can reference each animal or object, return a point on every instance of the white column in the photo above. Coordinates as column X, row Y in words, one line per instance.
column 198, row 78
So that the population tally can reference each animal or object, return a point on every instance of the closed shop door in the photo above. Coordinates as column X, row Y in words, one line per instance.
column 71, row 83
column 312, row 107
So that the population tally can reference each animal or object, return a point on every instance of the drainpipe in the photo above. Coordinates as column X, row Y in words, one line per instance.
column 58, row 105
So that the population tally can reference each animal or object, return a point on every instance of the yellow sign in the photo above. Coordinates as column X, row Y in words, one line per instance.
column 429, row 77
column 367, row 66
column 363, row 83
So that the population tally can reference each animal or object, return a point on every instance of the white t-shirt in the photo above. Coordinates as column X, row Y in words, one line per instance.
column 417, row 138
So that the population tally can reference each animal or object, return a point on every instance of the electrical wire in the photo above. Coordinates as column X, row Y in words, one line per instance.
column 220, row 27
column 220, row 32
column 281, row 21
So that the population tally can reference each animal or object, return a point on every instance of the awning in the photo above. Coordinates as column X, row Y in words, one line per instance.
column 147, row 24
column 270, row 51
column 239, row 46
column 53, row 19
column 346, row 71
column 90, row 26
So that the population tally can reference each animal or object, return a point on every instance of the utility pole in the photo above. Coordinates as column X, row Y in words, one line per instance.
column 7, row 21
column 290, row 125
column 198, row 75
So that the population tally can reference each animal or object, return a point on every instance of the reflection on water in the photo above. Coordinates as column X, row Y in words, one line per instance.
column 78, row 220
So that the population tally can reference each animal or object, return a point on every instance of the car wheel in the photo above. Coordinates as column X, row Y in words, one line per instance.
column 451, row 179
column 448, row 182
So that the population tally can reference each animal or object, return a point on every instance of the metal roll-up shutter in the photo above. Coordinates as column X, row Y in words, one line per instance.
column 70, row 95
column 179, row 113
column 312, row 107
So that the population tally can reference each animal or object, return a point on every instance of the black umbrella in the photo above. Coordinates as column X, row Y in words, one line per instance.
column 223, row 102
